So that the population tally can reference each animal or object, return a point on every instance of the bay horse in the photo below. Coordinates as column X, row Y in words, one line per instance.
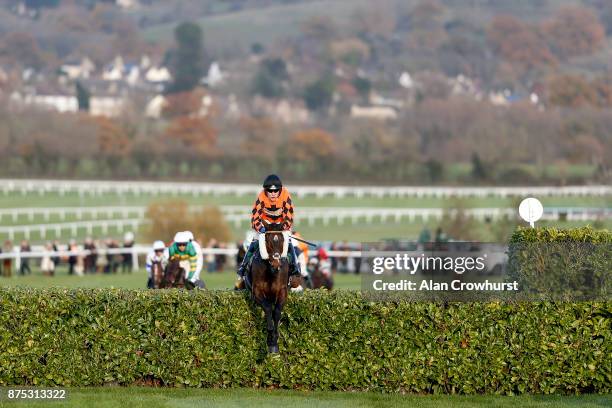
column 157, row 274
column 174, row 275
column 268, row 278
column 318, row 279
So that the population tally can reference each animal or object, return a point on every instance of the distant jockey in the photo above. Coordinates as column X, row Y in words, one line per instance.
column 273, row 205
column 324, row 262
column 184, row 251
column 199, row 263
column 301, row 250
column 155, row 255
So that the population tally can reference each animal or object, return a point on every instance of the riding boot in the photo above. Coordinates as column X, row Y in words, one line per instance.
column 245, row 262
column 294, row 266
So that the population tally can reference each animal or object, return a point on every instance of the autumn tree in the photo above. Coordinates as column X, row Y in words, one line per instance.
column 376, row 21
column 22, row 47
column 261, row 140
column 351, row 51
column 113, row 140
column 519, row 43
column 574, row 31
column 193, row 133
column 313, row 148
column 425, row 25
column 320, row 28
column 184, row 103
column 165, row 218
column 571, row 91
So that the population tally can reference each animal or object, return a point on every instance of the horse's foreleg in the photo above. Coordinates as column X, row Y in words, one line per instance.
column 268, row 309
column 277, row 316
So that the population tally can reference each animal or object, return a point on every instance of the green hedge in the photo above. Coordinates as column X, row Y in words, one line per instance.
column 330, row 341
column 562, row 264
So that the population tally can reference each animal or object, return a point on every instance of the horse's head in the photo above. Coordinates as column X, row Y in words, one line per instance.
column 275, row 245
column 174, row 275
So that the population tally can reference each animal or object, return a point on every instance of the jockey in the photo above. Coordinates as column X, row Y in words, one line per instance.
column 155, row 255
column 324, row 262
column 200, row 260
column 183, row 250
column 273, row 204
column 302, row 256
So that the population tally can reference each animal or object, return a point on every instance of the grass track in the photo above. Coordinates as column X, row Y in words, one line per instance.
column 138, row 280
column 111, row 397
column 347, row 231
column 18, row 200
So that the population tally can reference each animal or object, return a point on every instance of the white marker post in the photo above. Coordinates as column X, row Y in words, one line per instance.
column 531, row 210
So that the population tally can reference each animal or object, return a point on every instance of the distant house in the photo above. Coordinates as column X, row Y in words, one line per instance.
column 214, row 76
column 110, row 106
column 78, row 69
column 158, row 75
column 127, row 4
column 463, row 85
column 65, row 103
column 57, row 102
column 3, row 76
column 381, row 101
column 373, row 112
column 115, row 70
column 405, row 80
column 284, row 110
column 155, row 107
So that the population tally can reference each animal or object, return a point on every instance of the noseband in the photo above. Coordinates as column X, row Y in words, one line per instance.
column 275, row 256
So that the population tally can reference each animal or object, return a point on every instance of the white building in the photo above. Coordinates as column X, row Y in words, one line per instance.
column 405, row 80
column 373, row 112
column 114, row 72
column 57, row 102
column 155, row 107
column 158, row 75
column 110, row 106
column 80, row 70
column 214, row 76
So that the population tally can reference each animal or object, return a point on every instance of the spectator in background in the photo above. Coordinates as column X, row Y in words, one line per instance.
column 343, row 260
column 25, row 261
column 113, row 259
column 79, row 266
column 241, row 251
column 334, row 259
column 7, row 264
column 425, row 239
column 221, row 259
column 441, row 236
column 357, row 263
column 72, row 258
column 47, row 266
column 102, row 259
column 56, row 259
column 128, row 243
column 210, row 258
column 90, row 259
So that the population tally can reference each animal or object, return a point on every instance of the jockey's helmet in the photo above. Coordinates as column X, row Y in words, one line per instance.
column 272, row 183
column 159, row 246
column 322, row 254
column 181, row 238
column 189, row 235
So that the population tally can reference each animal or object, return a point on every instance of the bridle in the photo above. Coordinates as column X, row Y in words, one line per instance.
column 276, row 256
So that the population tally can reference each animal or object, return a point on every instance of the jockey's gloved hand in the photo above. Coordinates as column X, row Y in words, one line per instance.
column 262, row 230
